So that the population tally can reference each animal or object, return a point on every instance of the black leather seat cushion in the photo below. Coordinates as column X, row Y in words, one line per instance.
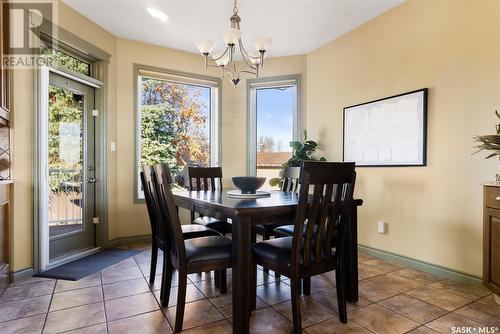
column 277, row 250
column 269, row 228
column 220, row 226
column 288, row 230
column 214, row 248
column 197, row 231
column 285, row 231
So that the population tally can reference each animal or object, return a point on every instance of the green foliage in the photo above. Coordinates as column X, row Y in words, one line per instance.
column 67, row 61
column 489, row 142
column 173, row 125
column 301, row 151
column 64, row 107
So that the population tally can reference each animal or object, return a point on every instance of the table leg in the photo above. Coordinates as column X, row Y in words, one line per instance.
column 241, row 273
column 351, row 258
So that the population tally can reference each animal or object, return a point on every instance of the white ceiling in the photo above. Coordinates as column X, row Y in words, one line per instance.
column 296, row 26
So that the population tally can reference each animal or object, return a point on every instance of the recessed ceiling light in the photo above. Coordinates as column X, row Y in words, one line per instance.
column 158, row 14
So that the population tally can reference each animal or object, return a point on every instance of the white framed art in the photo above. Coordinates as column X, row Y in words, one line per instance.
column 387, row 132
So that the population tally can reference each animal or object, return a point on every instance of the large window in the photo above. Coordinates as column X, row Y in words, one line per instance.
column 274, row 122
column 177, row 121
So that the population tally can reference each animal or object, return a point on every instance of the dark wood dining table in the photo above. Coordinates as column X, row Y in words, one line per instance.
column 243, row 213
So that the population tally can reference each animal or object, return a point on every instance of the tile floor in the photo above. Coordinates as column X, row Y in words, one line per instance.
column 393, row 299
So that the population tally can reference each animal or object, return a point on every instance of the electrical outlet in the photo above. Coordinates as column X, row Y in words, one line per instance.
column 382, row 227
column 113, row 146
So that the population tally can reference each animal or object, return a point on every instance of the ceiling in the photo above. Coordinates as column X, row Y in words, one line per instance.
column 296, row 26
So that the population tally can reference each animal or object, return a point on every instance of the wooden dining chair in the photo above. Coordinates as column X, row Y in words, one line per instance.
column 187, row 256
column 204, row 179
column 320, row 249
column 157, row 237
column 290, row 184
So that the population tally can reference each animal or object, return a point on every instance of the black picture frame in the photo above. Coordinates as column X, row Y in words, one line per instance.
column 423, row 159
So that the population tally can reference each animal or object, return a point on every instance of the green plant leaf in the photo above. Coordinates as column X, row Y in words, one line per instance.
column 296, row 145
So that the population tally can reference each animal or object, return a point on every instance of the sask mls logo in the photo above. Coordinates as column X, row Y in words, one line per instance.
column 28, row 21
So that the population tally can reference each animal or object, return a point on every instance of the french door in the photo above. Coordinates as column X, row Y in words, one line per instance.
column 70, row 178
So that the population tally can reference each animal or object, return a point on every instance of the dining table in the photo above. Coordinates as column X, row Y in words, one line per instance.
column 279, row 207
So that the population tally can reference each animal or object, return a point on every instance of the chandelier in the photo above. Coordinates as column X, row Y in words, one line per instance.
column 251, row 63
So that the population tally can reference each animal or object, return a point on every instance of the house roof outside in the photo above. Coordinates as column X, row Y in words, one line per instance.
column 272, row 160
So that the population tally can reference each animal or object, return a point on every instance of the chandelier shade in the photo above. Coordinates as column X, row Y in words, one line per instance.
column 251, row 63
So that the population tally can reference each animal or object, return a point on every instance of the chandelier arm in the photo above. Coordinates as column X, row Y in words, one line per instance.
column 222, row 55
column 244, row 51
column 234, row 68
column 246, row 71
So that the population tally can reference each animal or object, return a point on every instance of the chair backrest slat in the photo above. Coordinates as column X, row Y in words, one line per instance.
column 205, row 178
column 151, row 203
column 291, row 179
column 325, row 204
column 168, row 210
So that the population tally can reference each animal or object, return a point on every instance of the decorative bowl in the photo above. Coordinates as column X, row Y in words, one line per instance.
column 248, row 184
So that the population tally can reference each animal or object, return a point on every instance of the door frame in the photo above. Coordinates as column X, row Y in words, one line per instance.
column 42, row 158
column 99, row 62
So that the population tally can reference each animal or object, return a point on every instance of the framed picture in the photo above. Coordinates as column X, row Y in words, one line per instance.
column 387, row 132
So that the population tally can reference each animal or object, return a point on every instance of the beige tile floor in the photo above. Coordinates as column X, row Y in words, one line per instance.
column 393, row 299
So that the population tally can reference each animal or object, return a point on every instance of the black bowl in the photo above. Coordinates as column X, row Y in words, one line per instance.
column 248, row 184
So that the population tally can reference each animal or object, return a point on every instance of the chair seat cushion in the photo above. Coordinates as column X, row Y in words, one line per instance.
column 276, row 250
column 213, row 248
column 195, row 231
column 269, row 228
column 285, row 231
column 220, row 226
column 288, row 230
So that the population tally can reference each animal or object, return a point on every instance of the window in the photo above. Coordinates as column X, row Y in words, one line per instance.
column 177, row 121
column 65, row 60
column 274, row 122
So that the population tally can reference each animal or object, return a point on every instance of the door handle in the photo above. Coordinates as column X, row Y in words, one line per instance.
column 91, row 179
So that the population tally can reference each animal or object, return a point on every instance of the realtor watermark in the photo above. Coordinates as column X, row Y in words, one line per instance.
column 28, row 22
column 475, row 329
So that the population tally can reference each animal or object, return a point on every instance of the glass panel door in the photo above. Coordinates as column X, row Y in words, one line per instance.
column 71, row 166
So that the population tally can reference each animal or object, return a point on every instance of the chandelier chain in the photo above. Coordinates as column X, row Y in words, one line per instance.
column 235, row 8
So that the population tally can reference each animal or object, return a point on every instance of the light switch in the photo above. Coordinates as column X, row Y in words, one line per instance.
column 113, row 146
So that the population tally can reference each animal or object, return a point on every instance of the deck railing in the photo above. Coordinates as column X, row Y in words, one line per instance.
column 65, row 197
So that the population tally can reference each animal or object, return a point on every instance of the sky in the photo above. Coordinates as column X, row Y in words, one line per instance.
column 275, row 115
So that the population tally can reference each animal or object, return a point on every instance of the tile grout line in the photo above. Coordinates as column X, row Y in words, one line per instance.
column 48, row 307
column 104, row 303
column 158, row 302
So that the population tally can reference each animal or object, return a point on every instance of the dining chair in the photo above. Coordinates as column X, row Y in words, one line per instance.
column 320, row 249
column 157, row 237
column 290, row 184
column 187, row 256
column 207, row 178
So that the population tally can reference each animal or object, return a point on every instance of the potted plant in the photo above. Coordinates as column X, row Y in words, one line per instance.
column 301, row 151
column 490, row 143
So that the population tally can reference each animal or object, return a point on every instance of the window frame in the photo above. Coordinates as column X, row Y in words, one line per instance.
column 159, row 73
column 266, row 83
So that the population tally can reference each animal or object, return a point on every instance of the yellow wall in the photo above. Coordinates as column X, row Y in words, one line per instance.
column 22, row 133
column 131, row 218
column 453, row 48
column 125, row 217
column 434, row 212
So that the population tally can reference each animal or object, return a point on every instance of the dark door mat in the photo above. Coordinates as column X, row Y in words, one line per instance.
column 75, row 270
